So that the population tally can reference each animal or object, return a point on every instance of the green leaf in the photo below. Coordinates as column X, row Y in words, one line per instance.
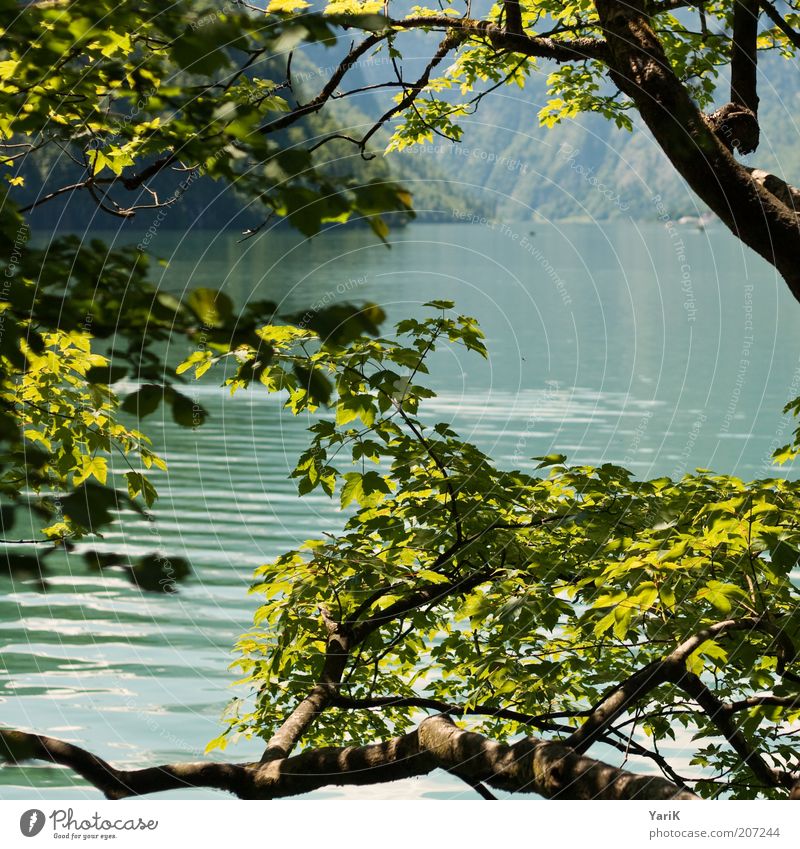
column 622, row 616
column 201, row 360
column 106, row 374
column 93, row 467
column 144, row 402
column 432, row 577
column 356, row 406
column 200, row 51
column 91, row 505
column 645, row 596
column 551, row 460
column 139, row 484
column 782, row 555
column 315, row 383
column 213, row 308
column 667, row 596
column 157, row 573
column 366, row 490
column 186, row 412
column 605, row 623
column 719, row 595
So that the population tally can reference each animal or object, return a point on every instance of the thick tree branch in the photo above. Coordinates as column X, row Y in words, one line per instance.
column 338, row 645
column 19, row 746
column 756, row 701
column 640, row 68
column 341, row 640
column 744, row 54
column 513, row 16
column 542, row 47
column 736, row 123
column 629, row 692
column 672, row 669
column 548, row 768
column 786, row 194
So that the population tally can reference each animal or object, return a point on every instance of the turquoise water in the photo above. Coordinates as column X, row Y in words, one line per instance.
column 660, row 349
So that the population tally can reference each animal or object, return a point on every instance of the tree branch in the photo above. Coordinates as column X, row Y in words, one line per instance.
column 19, row 746
column 542, row 47
column 419, row 598
column 341, row 640
column 672, row 669
column 450, row 41
column 717, row 713
column 513, row 16
column 329, row 88
column 744, row 54
column 630, row 745
column 640, row 68
column 629, row 692
column 337, row 652
column 548, row 768
column 457, row 29
column 755, row 701
column 772, row 13
column 786, row 194
column 542, row 721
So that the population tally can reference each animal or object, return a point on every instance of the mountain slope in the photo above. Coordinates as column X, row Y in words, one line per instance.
column 587, row 167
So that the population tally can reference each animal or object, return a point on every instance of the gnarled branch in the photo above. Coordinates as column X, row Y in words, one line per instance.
column 640, row 68
column 548, row 768
column 338, row 645
column 672, row 669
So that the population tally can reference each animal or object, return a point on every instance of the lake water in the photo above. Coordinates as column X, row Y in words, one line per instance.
column 663, row 349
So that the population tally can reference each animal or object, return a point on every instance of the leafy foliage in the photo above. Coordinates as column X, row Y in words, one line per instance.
column 63, row 425
column 127, row 94
column 142, row 92
column 544, row 590
column 519, row 597
column 135, row 91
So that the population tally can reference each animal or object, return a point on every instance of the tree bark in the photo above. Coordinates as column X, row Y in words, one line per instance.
column 744, row 54
column 548, row 768
column 640, row 68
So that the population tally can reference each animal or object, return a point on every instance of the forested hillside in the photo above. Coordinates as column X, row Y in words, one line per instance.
column 587, row 167
column 203, row 203
column 508, row 166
